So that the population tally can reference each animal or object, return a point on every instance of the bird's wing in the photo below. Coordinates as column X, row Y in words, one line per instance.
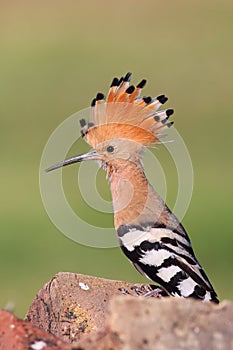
column 166, row 257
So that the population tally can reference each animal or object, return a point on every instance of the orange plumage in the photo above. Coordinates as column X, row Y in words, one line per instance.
column 125, row 115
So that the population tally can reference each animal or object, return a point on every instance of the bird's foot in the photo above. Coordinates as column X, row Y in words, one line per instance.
column 140, row 291
column 150, row 291
column 145, row 290
column 124, row 291
column 155, row 293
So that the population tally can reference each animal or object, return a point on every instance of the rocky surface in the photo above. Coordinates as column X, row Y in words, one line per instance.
column 87, row 313
column 72, row 305
column 21, row 335
column 172, row 324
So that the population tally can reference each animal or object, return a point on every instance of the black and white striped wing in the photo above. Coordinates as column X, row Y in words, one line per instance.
column 166, row 257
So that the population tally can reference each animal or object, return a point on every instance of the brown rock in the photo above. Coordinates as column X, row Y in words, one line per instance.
column 94, row 312
column 171, row 323
column 72, row 305
column 177, row 324
column 21, row 335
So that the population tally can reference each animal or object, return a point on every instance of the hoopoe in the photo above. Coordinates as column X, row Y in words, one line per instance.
column 149, row 234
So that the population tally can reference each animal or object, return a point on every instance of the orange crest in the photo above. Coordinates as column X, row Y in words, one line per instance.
column 124, row 114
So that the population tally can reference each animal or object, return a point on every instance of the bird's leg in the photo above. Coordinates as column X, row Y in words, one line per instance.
column 156, row 293
column 136, row 290
column 146, row 291
column 124, row 291
column 141, row 290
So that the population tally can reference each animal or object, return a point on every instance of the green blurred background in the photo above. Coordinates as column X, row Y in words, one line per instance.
column 55, row 56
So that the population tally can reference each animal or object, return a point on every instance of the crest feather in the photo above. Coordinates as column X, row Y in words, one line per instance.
column 124, row 114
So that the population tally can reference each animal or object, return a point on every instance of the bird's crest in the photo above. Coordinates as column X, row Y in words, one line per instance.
column 124, row 114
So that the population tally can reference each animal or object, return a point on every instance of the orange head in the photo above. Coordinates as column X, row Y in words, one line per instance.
column 122, row 125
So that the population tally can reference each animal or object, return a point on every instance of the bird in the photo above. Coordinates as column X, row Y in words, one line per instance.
column 119, row 129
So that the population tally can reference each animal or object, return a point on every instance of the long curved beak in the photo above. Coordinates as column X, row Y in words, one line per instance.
column 93, row 155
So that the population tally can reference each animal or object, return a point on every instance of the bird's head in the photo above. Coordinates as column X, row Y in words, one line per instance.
column 122, row 125
column 119, row 150
column 108, row 154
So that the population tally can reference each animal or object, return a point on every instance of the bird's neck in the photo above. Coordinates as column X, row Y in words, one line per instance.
column 134, row 199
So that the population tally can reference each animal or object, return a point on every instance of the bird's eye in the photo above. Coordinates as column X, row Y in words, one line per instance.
column 110, row 149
